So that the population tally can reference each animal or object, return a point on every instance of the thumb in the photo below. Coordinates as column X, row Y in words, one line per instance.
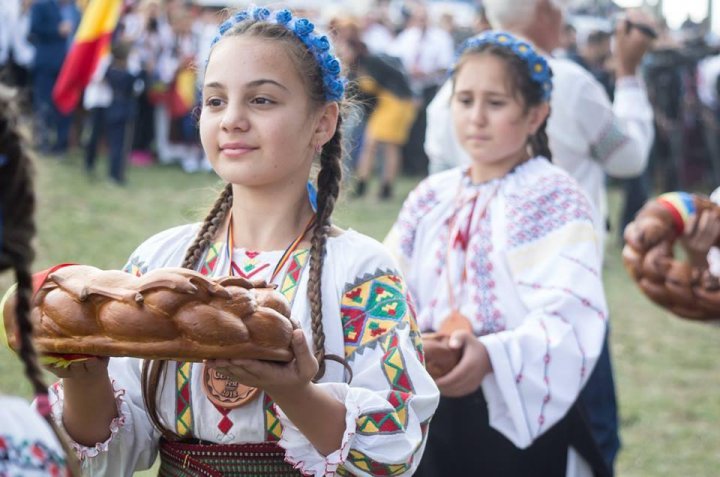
column 301, row 350
column 458, row 339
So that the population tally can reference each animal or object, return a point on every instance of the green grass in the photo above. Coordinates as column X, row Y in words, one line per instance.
column 667, row 370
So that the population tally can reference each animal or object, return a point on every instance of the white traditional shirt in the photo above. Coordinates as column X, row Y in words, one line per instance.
column 533, row 291
column 366, row 318
column 589, row 136
column 28, row 446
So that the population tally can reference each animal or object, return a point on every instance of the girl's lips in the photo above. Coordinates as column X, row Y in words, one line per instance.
column 235, row 150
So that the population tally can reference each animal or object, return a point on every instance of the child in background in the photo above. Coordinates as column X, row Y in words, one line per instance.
column 507, row 247
column 356, row 398
column 30, row 444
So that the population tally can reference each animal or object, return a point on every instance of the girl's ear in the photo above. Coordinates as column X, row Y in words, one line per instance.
column 537, row 116
column 327, row 124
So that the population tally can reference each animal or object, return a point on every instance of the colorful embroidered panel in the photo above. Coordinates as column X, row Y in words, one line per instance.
column 29, row 456
column 294, row 272
column 394, row 365
column 372, row 308
column 273, row 427
column 136, row 267
column 366, row 464
column 211, row 259
column 183, row 411
column 553, row 202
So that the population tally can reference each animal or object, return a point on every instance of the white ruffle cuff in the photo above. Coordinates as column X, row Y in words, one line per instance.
column 302, row 454
column 57, row 396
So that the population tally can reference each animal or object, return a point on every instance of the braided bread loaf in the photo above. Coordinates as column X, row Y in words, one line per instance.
column 170, row 313
column 687, row 291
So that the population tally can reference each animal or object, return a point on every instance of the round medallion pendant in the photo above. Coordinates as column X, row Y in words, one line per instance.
column 225, row 392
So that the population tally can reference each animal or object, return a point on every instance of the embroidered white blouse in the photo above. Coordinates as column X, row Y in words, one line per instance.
column 366, row 318
column 28, row 447
column 533, row 290
column 589, row 135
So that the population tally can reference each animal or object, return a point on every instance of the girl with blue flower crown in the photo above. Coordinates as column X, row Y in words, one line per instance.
column 356, row 399
column 502, row 262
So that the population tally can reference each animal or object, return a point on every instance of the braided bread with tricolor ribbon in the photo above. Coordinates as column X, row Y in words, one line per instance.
column 688, row 291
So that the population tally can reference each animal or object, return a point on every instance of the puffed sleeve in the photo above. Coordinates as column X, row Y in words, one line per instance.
column 133, row 441
column 391, row 397
column 541, row 364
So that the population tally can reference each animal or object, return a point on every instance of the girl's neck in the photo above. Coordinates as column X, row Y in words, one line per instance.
column 484, row 172
column 269, row 220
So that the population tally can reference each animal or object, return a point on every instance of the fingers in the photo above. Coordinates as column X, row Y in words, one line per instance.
column 306, row 363
column 467, row 375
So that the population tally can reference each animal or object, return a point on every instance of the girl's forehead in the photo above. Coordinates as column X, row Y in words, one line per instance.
column 483, row 69
column 239, row 57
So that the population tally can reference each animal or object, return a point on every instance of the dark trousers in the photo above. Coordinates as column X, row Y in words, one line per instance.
column 53, row 127
column 114, row 131
column 462, row 443
column 599, row 404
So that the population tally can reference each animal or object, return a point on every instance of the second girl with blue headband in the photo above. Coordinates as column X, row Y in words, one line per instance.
column 506, row 248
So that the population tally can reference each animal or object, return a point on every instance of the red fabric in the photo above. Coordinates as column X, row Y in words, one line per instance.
column 76, row 72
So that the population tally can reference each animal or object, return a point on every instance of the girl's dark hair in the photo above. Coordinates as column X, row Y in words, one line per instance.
column 521, row 84
column 328, row 185
column 17, row 208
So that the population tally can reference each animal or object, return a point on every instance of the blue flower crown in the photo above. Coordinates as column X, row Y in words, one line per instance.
column 304, row 30
column 540, row 71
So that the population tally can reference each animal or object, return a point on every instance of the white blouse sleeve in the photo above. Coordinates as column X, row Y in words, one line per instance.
column 133, row 441
column 541, row 365
column 621, row 133
column 390, row 399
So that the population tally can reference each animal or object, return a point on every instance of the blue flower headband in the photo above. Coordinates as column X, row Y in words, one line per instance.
column 304, row 30
column 540, row 71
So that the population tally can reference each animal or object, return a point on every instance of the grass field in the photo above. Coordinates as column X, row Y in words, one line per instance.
column 667, row 370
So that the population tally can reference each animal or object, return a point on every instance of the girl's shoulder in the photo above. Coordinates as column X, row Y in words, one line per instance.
column 435, row 189
column 166, row 248
column 539, row 190
column 352, row 254
column 539, row 177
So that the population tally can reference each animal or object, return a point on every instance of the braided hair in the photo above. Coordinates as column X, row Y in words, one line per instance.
column 328, row 185
column 16, row 251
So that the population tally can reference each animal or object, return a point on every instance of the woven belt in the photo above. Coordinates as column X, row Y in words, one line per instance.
column 182, row 459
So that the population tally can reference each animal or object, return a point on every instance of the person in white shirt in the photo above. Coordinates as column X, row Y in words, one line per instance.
column 589, row 137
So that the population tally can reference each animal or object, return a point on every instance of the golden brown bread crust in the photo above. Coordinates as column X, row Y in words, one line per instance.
column 171, row 313
column 687, row 291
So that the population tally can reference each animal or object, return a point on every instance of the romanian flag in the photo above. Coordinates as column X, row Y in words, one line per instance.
column 91, row 43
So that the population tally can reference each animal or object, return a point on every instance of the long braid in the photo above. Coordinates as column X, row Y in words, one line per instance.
column 329, row 179
column 540, row 143
column 17, row 251
column 153, row 371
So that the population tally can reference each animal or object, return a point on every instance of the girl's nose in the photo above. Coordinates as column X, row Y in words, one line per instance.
column 235, row 118
column 478, row 114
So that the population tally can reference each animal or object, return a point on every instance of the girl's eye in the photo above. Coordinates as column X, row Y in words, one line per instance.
column 497, row 104
column 465, row 100
column 213, row 102
column 262, row 101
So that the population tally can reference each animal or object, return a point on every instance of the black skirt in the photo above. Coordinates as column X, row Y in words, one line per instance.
column 461, row 442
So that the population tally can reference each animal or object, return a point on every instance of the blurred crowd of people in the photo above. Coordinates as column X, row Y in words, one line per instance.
column 396, row 55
